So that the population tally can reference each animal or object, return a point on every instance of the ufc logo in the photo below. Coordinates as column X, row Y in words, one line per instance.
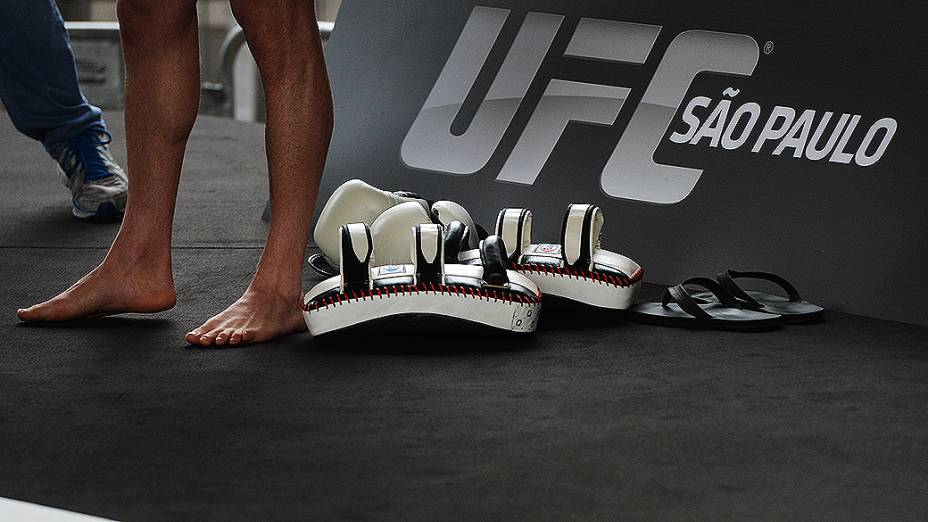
column 631, row 172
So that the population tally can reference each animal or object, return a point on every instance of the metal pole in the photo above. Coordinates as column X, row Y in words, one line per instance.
column 218, row 98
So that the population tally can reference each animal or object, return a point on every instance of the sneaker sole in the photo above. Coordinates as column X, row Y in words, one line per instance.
column 105, row 210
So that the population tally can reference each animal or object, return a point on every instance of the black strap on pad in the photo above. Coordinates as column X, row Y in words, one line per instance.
column 514, row 227
column 493, row 257
column 580, row 235
column 428, row 253
column 457, row 237
column 354, row 253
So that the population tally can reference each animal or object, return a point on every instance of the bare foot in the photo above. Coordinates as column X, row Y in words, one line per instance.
column 111, row 288
column 257, row 316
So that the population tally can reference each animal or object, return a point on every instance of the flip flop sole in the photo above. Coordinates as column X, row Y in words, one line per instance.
column 791, row 312
column 724, row 318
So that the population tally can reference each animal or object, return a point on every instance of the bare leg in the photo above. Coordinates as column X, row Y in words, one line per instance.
column 159, row 42
column 284, row 39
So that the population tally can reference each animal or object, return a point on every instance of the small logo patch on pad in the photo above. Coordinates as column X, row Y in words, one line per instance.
column 391, row 269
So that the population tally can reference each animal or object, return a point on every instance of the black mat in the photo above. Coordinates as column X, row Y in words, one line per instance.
column 592, row 418
column 223, row 188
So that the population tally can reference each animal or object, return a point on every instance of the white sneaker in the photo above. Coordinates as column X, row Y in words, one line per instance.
column 98, row 185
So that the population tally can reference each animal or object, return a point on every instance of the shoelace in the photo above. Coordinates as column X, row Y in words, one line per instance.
column 83, row 151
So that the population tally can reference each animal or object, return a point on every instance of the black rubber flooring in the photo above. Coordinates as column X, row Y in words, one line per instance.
column 592, row 418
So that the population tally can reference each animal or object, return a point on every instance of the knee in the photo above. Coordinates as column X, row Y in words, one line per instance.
column 154, row 22
column 276, row 31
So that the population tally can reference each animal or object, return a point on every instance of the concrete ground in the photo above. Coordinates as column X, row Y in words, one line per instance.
column 592, row 418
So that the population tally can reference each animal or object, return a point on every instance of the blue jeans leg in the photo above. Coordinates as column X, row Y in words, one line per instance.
column 38, row 77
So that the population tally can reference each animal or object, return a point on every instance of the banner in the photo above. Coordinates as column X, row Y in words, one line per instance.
column 751, row 135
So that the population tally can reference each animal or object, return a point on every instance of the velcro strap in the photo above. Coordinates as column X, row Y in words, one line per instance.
column 428, row 252
column 583, row 224
column 514, row 227
column 354, row 255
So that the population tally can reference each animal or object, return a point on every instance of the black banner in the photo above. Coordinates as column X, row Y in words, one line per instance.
column 752, row 135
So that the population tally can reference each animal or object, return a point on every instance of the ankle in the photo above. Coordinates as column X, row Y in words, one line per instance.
column 154, row 263
column 287, row 290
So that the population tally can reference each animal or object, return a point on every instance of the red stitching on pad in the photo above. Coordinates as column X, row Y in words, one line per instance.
column 402, row 290
column 617, row 280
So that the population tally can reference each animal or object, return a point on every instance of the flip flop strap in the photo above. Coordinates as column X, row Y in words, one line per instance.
column 727, row 280
column 681, row 296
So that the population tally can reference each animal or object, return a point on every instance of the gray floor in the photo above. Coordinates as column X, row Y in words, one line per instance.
column 592, row 418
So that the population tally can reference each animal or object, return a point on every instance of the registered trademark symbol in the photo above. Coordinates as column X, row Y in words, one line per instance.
column 768, row 47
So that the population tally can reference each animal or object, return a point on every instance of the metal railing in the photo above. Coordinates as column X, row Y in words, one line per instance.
column 102, row 29
column 98, row 57
column 218, row 98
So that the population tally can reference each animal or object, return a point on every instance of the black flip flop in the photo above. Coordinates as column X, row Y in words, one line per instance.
column 792, row 308
column 679, row 308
